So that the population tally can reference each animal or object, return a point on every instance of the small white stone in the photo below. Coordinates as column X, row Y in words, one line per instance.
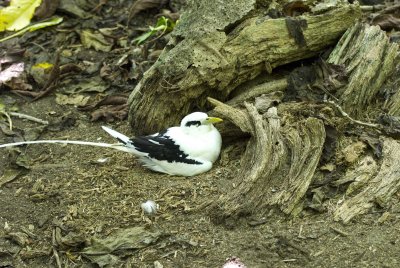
column 7, row 227
column 149, row 207
column 157, row 264
column 102, row 160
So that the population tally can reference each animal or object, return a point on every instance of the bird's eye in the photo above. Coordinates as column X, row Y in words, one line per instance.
column 193, row 123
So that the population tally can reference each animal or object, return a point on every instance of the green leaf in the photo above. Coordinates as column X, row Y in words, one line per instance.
column 143, row 37
column 163, row 25
column 46, row 23
column 18, row 14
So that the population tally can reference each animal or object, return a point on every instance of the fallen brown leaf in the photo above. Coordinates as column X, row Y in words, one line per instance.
column 109, row 114
column 108, row 100
column 46, row 9
column 141, row 5
column 116, row 107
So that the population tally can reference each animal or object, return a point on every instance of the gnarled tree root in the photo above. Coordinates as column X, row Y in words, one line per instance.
column 277, row 166
column 379, row 189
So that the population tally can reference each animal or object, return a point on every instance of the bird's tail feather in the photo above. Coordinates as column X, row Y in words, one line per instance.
column 123, row 146
column 120, row 137
column 116, row 146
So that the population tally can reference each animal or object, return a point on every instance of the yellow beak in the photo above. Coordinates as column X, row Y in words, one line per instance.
column 213, row 120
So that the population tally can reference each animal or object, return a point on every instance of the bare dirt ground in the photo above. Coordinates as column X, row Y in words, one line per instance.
column 59, row 200
column 66, row 187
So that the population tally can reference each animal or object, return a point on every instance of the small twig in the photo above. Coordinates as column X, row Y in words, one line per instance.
column 372, row 8
column 289, row 260
column 340, row 109
column 284, row 240
column 100, row 4
column 54, row 244
column 39, row 46
column 203, row 205
column 29, row 117
column 360, row 256
column 300, row 235
column 342, row 233
column 8, row 118
column 258, row 222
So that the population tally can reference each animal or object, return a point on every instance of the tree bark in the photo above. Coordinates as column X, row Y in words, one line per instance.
column 277, row 166
column 236, row 43
column 379, row 189
column 369, row 58
column 280, row 162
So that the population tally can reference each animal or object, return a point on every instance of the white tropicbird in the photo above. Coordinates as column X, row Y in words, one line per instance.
column 186, row 150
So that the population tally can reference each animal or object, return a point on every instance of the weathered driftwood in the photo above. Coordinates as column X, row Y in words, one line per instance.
column 359, row 176
column 379, row 189
column 280, row 162
column 369, row 59
column 219, row 45
column 277, row 166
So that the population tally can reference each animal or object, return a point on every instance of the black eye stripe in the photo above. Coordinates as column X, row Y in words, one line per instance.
column 193, row 123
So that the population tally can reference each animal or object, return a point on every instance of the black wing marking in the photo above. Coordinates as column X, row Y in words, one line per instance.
column 161, row 147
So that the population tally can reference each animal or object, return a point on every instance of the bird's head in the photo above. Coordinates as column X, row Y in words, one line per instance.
column 198, row 119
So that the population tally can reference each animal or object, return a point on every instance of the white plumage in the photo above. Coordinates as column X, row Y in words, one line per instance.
column 186, row 150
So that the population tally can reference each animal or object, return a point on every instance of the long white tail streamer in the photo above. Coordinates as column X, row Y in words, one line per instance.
column 116, row 146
